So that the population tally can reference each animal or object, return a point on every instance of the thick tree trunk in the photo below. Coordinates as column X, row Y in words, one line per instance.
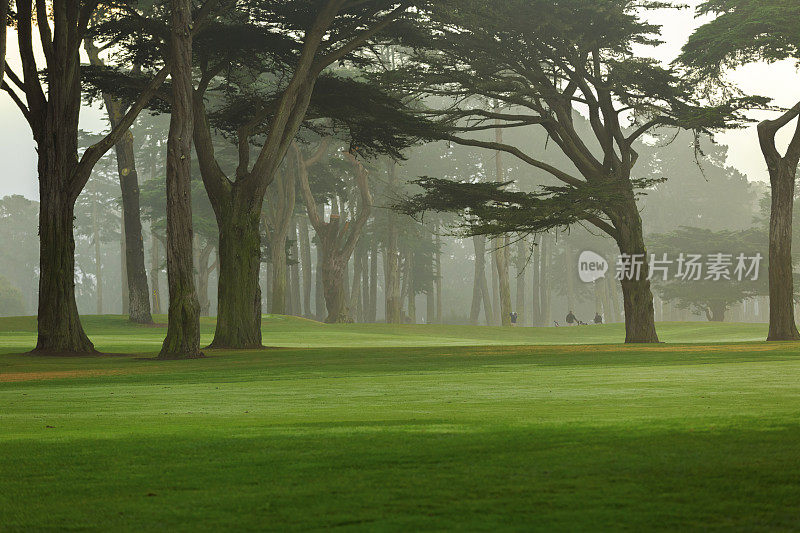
column 640, row 326
column 59, row 327
column 239, row 291
column 183, row 330
column 781, row 284
column 715, row 312
column 334, row 270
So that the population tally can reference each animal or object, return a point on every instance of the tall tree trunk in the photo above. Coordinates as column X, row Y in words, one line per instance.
column 439, row 279
column 782, row 174
column 59, row 326
column 183, row 330
column 98, row 264
column 135, row 281
column 536, row 304
column 319, row 288
column 372, row 317
column 204, row 270
column 305, row 260
column 394, row 304
column 637, row 297
column 412, row 293
column 502, row 280
column 522, row 259
column 297, row 309
column 544, row 282
column 570, row 272
column 239, row 290
column 478, row 277
column 496, row 318
column 155, row 271
column 356, row 287
column 123, row 269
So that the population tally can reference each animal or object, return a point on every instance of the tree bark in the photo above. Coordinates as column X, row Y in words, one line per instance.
column 137, row 297
column 394, row 304
column 503, row 281
column 183, row 330
column 305, row 260
column 637, row 297
column 155, row 271
column 239, row 290
column 782, row 174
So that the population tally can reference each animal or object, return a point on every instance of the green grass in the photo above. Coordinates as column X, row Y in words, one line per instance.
column 404, row 428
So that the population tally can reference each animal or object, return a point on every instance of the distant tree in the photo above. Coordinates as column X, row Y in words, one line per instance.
column 711, row 297
column 10, row 299
column 19, row 256
column 515, row 63
column 746, row 31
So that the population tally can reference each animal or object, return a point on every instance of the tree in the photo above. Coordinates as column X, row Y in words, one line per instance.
column 183, row 328
column 53, row 118
column 709, row 296
column 138, row 291
column 337, row 237
column 744, row 31
column 10, row 299
column 544, row 60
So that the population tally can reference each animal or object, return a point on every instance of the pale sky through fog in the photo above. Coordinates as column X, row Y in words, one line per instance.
column 778, row 81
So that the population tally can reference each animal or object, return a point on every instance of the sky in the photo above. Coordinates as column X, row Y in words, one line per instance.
column 777, row 81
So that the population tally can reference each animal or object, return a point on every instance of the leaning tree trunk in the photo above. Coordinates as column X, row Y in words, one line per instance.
column 183, row 330
column 640, row 325
column 782, row 174
column 239, row 291
column 781, row 284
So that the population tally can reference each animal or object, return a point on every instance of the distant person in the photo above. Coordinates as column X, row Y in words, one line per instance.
column 571, row 320
column 514, row 318
column 598, row 319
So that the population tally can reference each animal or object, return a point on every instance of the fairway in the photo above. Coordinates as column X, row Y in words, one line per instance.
column 427, row 434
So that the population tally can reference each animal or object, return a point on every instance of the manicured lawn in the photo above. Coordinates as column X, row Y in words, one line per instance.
column 410, row 428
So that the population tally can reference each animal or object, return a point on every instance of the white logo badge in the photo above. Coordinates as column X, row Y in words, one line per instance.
column 591, row 266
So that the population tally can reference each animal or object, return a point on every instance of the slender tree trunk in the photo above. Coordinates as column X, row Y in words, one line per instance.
column 305, row 259
column 394, row 305
column 439, row 278
column 544, row 285
column 183, row 331
column 319, row 290
column 412, row 294
column 430, row 306
column 155, row 271
column 536, row 304
column 123, row 269
column 496, row 318
column 478, row 278
column 97, row 257
column 522, row 259
column 356, row 287
column 297, row 309
column 203, row 274
column 135, row 281
column 239, row 290
column 502, row 280
column 570, row 271
column 373, row 284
